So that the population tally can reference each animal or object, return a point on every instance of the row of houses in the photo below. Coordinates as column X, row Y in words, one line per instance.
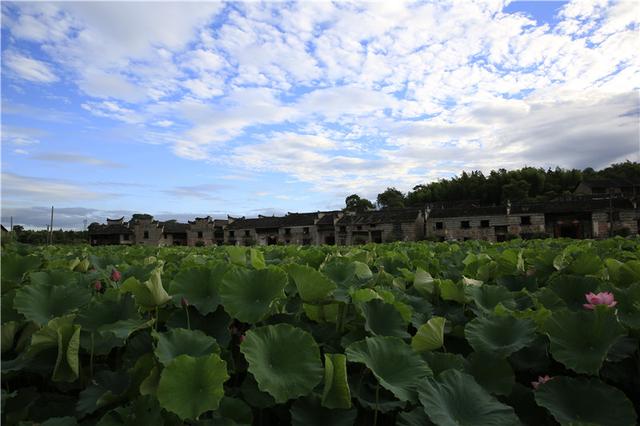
column 573, row 218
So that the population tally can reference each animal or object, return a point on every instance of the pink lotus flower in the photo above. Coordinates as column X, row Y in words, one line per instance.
column 242, row 337
column 116, row 275
column 97, row 285
column 541, row 380
column 604, row 298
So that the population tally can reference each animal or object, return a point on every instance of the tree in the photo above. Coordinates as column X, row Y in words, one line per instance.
column 516, row 190
column 356, row 204
column 391, row 199
column 18, row 228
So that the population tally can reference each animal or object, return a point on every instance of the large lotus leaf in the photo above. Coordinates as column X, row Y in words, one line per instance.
column 215, row 325
column 585, row 401
column 235, row 410
column 64, row 336
column 114, row 313
column 180, row 341
column 199, row 286
column 60, row 421
column 191, row 386
column 309, row 412
column 322, row 313
column 253, row 395
column 249, row 295
column 383, row 319
column 41, row 303
column 585, row 263
column 572, row 288
column 370, row 395
column 628, row 306
column 149, row 294
column 415, row 417
column 499, row 336
column 9, row 331
column 313, row 286
column 623, row 274
column 487, row 297
column 423, row 282
column 336, row 392
column 14, row 267
column 492, row 373
column 54, row 277
column 285, row 360
column 106, row 388
column 456, row 399
column 441, row 361
column 256, row 258
column 347, row 274
column 453, row 291
column 580, row 340
column 430, row 336
column 396, row 366
column 237, row 255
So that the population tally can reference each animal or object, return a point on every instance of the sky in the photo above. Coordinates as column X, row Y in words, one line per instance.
column 247, row 108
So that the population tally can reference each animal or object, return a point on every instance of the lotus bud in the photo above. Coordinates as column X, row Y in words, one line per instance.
column 116, row 275
column 242, row 337
column 97, row 285
column 184, row 302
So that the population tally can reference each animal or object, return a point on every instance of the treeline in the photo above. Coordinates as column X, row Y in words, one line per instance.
column 525, row 184
column 29, row 236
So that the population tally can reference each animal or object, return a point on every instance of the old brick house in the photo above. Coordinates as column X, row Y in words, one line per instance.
column 380, row 226
column 206, row 231
column 115, row 232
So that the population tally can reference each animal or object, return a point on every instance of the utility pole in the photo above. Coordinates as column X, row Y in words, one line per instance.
column 51, row 228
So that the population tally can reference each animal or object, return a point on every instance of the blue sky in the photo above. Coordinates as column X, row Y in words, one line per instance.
column 244, row 108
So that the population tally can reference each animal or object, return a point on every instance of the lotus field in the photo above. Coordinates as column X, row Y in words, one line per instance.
column 539, row 332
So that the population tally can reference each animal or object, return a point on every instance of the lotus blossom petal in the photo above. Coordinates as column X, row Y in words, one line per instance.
column 541, row 380
column 116, row 275
column 604, row 298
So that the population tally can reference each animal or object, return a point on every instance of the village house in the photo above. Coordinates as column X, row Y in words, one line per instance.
column 603, row 187
column 115, row 232
column 380, row 226
column 205, row 231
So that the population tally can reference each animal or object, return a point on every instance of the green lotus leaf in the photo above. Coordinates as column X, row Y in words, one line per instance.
column 61, row 334
column 236, row 410
column 106, row 388
column 237, row 255
column 14, row 267
column 253, row 395
column 113, row 313
column 313, row 286
column 180, row 341
column 383, row 319
column 191, row 386
column 370, row 395
column 256, row 258
column 396, row 366
column 499, row 336
column 199, row 286
column 585, row 263
column 492, row 373
column 248, row 295
column 430, row 336
column 423, row 282
column 454, row 291
column 336, row 392
column 60, row 421
column 9, row 331
column 456, row 399
column 415, row 417
column 580, row 340
column 215, row 324
column 309, row 412
column 585, row 401
column 285, row 360
column 487, row 297
column 149, row 294
column 322, row 313
column 440, row 361
column 623, row 274
column 347, row 274
column 572, row 288
column 40, row 303
column 628, row 306
column 52, row 278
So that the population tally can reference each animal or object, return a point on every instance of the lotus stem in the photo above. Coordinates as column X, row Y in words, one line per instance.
column 186, row 310
column 375, row 413
column 155, row 326
column 91, row 355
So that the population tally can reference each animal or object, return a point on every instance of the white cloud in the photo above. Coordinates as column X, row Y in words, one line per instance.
column 72, row 158
column 18, row 188
column 112, row 110
column 28, row 68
